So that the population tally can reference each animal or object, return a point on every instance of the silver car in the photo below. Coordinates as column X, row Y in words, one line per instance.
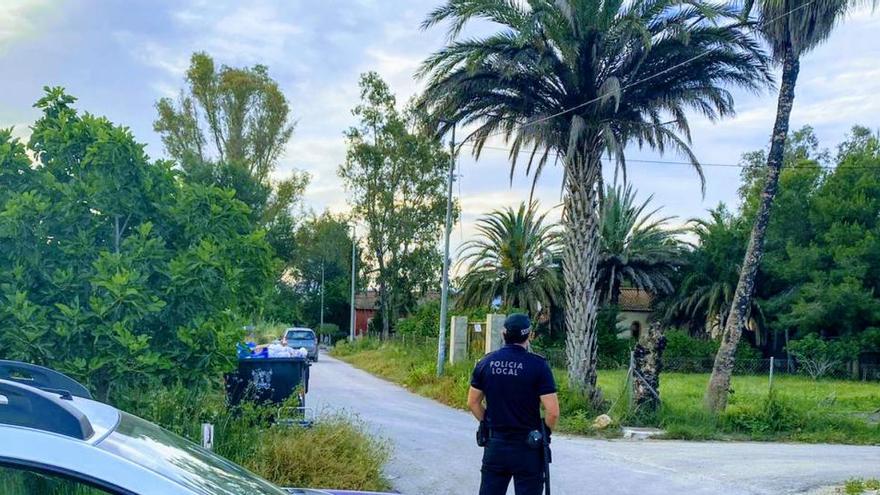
column 57, row 440
column 297, row 337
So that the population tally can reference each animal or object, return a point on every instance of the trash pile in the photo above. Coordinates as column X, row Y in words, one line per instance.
column 276, row 349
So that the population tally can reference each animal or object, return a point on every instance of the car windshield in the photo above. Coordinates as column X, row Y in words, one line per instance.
column 300, row 335
column 179, row 459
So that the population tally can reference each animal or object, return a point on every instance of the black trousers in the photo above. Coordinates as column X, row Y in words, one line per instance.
column 504, row 459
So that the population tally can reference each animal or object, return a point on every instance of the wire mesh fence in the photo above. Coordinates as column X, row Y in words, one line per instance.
column 816, row 370
column 813, row 369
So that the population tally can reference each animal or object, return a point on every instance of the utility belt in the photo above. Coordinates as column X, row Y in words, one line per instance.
column 509, row 435
column 531, row 438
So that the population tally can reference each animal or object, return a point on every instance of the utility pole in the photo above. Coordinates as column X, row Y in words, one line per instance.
column 444, row 290
column 353, row 282
column 321, row 328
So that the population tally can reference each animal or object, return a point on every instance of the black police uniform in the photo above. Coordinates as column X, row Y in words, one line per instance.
column 513, row 380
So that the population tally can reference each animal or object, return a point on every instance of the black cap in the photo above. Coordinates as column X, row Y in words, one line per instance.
column 518, row 323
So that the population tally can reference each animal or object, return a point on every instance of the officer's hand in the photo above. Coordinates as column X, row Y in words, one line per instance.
column 547, row 431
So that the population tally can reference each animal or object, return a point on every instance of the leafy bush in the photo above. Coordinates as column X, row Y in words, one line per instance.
column 774, row 416
column 424, row 321
column 818, row 357
column 688, row 354
column 682, row 347
column 117, row 270
column 335, row 453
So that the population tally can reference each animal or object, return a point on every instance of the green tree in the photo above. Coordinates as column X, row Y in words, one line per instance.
column 705, row 291
column 397, row 180
column 637, row 248
column 228, row 128
column 837, row 292
column 323, row 246
column 513, row 258
column 791, row 28
column 113, row 268
column 574, row 80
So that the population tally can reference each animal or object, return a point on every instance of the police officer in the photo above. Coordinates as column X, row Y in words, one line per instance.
column 514, row 384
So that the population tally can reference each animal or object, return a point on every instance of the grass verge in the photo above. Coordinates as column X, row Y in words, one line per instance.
column 860, row 486
column 336, row 452
column 798, row 409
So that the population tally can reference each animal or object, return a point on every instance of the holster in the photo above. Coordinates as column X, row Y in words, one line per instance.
column 483, row 434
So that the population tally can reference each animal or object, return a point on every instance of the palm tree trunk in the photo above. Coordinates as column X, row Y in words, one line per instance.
column 579, row 260
column 719, row 383
column 615, row 289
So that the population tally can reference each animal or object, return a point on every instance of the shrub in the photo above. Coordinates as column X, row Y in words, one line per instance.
column 689, row 354
column 424, row 321
column 818, row 357
column 774, row 416
column 335, row 453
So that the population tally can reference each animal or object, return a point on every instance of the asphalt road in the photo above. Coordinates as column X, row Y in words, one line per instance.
column 435, row 453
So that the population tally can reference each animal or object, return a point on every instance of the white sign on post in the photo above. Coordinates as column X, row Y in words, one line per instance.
column 208, row 436
column 478, row 328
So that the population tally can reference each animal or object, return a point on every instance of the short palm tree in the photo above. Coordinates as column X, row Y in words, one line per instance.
column 791, row 28
column 512, row 259
column 638, row 248
column 573, row 80
column 705, row 293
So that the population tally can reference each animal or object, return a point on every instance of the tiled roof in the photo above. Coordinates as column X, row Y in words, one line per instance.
column 632, row 299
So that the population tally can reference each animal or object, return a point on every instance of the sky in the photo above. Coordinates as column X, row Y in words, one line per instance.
column 119, row 56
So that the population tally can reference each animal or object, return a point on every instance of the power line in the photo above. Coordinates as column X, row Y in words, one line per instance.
column 674, row 162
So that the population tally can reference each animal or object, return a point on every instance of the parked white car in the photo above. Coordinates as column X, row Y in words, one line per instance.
column 55, row 439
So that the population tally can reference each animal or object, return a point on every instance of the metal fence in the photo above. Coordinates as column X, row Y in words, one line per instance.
column 828, row 370
column 817, row 370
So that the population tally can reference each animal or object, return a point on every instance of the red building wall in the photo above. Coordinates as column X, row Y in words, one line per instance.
column 362, row 319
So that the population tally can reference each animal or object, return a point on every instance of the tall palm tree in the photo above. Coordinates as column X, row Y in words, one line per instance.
column 791, row 28
column 637, row 247
column 572, row 80
column 513, row 258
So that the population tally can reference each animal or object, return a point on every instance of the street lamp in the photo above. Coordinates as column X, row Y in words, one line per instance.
column 444, row 290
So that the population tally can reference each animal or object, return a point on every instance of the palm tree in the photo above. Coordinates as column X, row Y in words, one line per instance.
column 636, row 247
column 572, row 80
column 706, row 291
column 513, row 259
column 791, row 28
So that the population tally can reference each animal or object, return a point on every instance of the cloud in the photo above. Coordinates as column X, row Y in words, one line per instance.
column 255, row 33
column 21, row 18
column 170, row 61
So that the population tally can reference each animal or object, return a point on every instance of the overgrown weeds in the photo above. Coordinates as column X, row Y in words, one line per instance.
column 860, row 486
column 337, row 452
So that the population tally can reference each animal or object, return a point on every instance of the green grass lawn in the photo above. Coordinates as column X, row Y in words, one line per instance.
column 800, row 409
